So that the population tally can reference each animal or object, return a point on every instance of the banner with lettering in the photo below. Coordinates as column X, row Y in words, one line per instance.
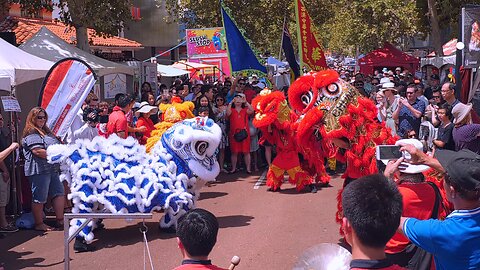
column 206, row 43
column 64, row 89
column 310, row 50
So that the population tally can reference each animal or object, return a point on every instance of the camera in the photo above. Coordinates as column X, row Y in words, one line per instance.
column 91, row 115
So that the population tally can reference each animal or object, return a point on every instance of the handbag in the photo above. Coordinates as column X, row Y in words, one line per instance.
column 241, row 134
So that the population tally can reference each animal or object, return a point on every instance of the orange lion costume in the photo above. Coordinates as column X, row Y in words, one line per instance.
column 274, row 118
column 333, row 115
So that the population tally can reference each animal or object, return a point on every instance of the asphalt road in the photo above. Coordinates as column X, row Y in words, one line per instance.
column 268, row 230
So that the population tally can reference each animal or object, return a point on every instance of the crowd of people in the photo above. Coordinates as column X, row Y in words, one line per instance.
column 426, row 112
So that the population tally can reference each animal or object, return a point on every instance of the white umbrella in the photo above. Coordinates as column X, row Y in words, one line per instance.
column 325, row 256
column 168, row 71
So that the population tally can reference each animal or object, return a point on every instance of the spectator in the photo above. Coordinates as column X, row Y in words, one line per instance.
column 444, row 138
column 150, row 98
column 409, row 112
column 391, row 105
column 448, row 94
column 103, row 118
column 221, row 120
column 194, row 94
column 254, row 145
column 420, row 199
column 203, row 101
column 465, row 134
column 207, row 90
column 380, row 101
column 117, row 120
column 196, row 236
column 146, row 87
column 5, row 227
column 237, row 87
column 419, row 94
column 238, row 115
column 433, row 85
column 89, row 130
column 454, row 241
column 144, row 114
column 43, row 177
column 203, row 111
column 372, row 206
column 90, row 102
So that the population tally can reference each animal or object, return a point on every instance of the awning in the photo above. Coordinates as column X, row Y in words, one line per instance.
column 47, row 45
column 190, row 66
column 168, row 71
column 438, row 61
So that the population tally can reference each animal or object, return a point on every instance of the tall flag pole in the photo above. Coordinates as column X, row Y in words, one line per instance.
column 310, row 50
column 289, row 52
column 243, row 60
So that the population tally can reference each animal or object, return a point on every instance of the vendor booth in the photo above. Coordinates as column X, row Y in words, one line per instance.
column 114, row 78
column 387, row 57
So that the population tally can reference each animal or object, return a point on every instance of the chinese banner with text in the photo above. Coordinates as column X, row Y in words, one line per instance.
column 310, row 50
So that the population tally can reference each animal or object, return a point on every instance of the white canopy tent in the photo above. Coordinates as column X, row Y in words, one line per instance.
column 21, row 66
column 47, row 45
column 168, row 71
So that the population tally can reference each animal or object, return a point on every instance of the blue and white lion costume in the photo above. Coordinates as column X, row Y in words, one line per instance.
column 118, row 176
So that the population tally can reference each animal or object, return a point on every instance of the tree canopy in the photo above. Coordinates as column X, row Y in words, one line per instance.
column 343, row 25
column 106, row 17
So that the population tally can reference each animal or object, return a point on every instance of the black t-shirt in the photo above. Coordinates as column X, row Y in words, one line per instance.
column 445, row 135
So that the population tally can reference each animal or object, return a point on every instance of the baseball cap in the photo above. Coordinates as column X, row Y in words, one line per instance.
column 463, row 167
column 240, row 95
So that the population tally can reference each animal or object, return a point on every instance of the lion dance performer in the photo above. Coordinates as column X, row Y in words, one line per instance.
column 335, row 116
column 172, row 113
column 274, row 118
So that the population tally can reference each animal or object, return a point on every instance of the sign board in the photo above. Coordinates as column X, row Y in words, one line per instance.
column 206, row 43
column 471, row 36
column 114, row 84
column 10, row 104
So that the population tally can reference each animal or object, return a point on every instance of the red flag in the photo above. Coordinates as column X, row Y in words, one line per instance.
column 310, row 50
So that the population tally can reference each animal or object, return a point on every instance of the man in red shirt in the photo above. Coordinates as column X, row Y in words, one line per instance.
column 196, row 236
column 117, row 121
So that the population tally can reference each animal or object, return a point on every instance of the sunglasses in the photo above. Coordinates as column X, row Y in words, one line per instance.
column 41, row 117
column 95, row 99
column 219, row 99
column 436, row 96
column 242, row 84
column 410, row 93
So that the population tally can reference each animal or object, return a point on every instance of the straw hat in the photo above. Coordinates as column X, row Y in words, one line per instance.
column 460, row 111
column 388, row 86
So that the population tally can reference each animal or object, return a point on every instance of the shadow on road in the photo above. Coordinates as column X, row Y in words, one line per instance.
column 16, row 260
column 234, row 221
column 211, row 195
column 128, row 235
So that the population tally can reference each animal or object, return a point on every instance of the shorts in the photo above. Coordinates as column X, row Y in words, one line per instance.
column 4, row 192
column 45, row 185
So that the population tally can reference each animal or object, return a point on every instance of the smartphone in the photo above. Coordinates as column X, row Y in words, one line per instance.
column 388, row 152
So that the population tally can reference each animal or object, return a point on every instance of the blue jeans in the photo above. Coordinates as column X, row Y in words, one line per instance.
column 44, row 185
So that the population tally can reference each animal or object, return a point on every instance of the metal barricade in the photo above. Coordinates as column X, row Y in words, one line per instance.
column 89, row 217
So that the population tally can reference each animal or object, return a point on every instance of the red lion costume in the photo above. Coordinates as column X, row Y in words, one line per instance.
column 274, row 118
column 335, row 113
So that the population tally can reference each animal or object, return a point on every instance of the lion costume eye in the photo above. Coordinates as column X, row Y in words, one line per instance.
column 201, row 147
column 333, row 90
column 307, row 98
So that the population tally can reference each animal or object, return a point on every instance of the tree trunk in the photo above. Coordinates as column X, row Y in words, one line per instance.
column 82, row 38
column 436, row 39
